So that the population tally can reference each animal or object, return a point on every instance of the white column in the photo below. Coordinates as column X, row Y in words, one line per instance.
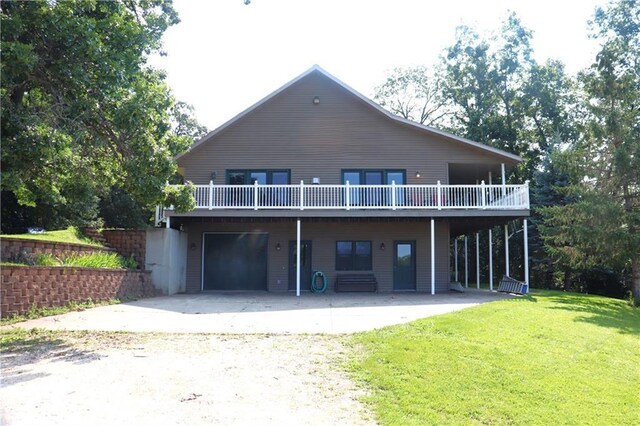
column 466, row 263
column 490, row 259
column 433, row 256
column 298, row 257
column 526, row 252
column 168, row 222
column 506, row 250
column 455, row 258
column 504, row 180
column 477, row 260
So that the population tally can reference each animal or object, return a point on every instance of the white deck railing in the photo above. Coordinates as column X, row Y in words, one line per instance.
column 360, row 197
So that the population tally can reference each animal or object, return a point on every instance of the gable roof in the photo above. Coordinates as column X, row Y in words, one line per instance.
column 375, row 106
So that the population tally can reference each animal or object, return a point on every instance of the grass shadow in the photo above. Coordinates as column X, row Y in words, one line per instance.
column 531, row 298
column 600, row 311
column 21, row 348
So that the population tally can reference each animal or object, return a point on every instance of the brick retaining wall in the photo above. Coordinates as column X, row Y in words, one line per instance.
column 25, row 286
column 128, row 242
column 12, row 247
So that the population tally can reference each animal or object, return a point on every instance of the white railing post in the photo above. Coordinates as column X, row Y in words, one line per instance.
column 347, row 197
column 504, row 180
column 210, row 195
column 255, row 195
column 341, row 197
column 393, row 194
column 301, row 195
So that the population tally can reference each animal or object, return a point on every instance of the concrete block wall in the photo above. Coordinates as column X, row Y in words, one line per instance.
column 25, row 286
column 11, row 248
column 128, row 242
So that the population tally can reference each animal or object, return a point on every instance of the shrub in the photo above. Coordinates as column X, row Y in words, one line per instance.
column 45, row 259
column 99, row 260
column 130, row 262
column 180, row 197
column 92, row 260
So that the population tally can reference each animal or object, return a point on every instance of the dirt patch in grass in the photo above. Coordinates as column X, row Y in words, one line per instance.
column 145, row 378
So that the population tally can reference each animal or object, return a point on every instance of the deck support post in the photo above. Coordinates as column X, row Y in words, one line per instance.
column 477, row 260
column 490, row 260
column 506, row 250
column 433, row 256
column 526, row 253
column 466, row 262
column 298, row 257
column 455, row 257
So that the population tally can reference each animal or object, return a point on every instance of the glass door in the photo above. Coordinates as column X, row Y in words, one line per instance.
column 372, row 196
column 354, row 179
column 404, row 265
column 398, row 178
column 305, row 265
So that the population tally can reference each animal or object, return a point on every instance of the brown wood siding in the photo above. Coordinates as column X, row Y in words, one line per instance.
column 324, row 236
column 341, row 132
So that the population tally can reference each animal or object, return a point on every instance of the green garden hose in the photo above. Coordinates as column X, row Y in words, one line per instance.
column 314, row 277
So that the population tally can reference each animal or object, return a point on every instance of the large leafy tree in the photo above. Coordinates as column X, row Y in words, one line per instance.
column 501, row 96
column 82, row 110
column 413, row 93
column 602, row 226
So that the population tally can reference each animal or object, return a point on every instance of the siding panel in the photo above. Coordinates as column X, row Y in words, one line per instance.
column 290, row 132
column 324, row 236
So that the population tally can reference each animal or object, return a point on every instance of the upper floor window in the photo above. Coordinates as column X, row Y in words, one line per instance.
column 374, row 177
column 374, row 196
column 263, row 177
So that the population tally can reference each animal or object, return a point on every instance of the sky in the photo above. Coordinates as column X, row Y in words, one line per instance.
column 224, row 55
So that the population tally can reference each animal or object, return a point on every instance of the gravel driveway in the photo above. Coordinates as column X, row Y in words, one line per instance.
column 231, row 359
column 191, row 379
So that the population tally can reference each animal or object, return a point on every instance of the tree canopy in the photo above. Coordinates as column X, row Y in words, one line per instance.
column 579, row 136
column 82, row 110
column 601, row 226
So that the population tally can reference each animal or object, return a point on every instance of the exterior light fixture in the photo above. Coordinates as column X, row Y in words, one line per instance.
column 193, row 246
column 418, row 175
column 213, row 175
column 316, row 100
column 382, row 246
column 278, row 247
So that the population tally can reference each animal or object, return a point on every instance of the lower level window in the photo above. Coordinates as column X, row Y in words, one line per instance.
column 353, row 256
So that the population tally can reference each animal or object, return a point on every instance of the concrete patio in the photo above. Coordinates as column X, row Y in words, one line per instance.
column 264, row 312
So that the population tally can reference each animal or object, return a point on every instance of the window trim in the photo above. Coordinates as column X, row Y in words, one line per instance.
column 384, row 172
column 353, row 255
column 247, row 175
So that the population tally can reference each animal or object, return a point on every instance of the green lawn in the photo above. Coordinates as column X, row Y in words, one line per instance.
column 551, row 358
column 69, row 235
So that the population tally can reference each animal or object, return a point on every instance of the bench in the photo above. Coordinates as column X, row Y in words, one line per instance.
column 510, row 285
column 356, row 283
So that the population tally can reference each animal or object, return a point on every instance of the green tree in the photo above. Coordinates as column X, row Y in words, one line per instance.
column 601, row 227
column 500, row 96
column 467, row 86
column 82, row 110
